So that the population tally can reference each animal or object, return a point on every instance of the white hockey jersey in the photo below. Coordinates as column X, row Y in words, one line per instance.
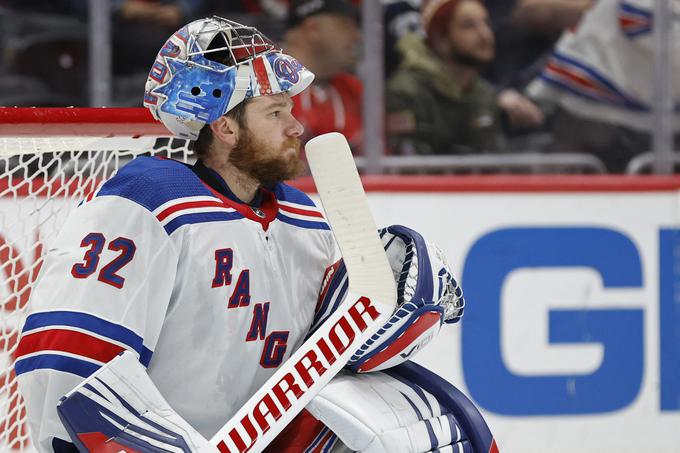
column 603, row 70
column 211, row 294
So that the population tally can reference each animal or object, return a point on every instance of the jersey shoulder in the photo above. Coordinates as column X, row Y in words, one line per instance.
column 290, row 194
column 153, row 181
column 297, row 209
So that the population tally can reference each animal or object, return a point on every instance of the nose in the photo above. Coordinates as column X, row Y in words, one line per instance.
column 487, row 33
column 295, row 129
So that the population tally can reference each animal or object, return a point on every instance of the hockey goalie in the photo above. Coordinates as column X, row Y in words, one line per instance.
column 176, row 291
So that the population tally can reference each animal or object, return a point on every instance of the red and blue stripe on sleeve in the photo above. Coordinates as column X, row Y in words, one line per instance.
column 331, row 294
column 74, row 342
column 634, row 21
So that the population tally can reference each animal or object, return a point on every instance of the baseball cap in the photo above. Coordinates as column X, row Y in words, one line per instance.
column 301, row 9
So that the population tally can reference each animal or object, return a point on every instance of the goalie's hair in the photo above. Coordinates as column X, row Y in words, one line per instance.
column 206, row 138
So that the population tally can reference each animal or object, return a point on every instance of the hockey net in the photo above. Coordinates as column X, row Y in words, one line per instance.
column 50, row 160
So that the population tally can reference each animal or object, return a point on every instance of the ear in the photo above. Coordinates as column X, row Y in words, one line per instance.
column 226, row 130
column 441, row 46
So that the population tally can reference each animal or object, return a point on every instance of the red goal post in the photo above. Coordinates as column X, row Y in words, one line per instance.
column 50, row 160
column 69, row 121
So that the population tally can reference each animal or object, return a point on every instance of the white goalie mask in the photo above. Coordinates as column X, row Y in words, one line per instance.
column 210, row 66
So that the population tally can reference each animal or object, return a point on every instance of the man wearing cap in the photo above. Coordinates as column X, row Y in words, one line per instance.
column 323, row 36
column 436, row 102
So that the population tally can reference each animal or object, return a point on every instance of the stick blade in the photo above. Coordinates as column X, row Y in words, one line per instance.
column 346, row 206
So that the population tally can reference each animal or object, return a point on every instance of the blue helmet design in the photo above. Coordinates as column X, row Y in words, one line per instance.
column 210, row 66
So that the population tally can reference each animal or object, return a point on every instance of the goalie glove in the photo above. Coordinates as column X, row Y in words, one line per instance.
column 422, row 271
column 427, row 296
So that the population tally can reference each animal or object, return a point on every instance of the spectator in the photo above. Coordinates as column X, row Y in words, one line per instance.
column 324, row 36
column 141, row 26
column 436, row 102
column 599, row 82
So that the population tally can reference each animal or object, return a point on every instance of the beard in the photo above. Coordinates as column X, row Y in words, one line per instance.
column 465, row 58
column 264, row 163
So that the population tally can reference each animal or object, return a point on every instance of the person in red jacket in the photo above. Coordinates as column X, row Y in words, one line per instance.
column 324, row 35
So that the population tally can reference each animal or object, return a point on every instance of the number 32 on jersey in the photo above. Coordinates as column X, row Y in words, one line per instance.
column 94, row 244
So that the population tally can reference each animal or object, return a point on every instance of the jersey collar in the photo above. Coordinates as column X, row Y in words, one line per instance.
column 263, row 209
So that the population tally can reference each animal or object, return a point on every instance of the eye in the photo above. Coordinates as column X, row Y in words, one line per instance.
column 276, row 113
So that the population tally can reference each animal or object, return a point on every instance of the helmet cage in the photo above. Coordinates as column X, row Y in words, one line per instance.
column 246, row 42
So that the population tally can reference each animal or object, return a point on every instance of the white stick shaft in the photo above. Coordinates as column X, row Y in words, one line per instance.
column 346, row 207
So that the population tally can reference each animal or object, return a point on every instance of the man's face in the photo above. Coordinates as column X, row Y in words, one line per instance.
column 336, row 41
column 268, row 148
column 470, row 35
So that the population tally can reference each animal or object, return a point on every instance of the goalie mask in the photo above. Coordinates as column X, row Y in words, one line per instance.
column 209, row 67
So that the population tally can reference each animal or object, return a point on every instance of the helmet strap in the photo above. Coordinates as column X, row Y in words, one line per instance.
column 241, row 85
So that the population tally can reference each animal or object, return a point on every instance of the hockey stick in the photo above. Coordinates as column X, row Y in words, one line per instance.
column 371, row 300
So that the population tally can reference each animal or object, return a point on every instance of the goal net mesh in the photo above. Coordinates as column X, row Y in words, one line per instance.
column 42, row 179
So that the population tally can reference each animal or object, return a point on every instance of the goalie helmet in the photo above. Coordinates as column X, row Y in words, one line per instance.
column 210, row 66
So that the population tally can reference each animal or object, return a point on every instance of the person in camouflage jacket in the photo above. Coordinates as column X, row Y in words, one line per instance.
column 436, row 101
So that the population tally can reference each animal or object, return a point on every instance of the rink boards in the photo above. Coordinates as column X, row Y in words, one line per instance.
column 571, row 335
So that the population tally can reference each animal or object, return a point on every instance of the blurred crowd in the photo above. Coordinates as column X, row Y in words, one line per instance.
column 462, row 77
